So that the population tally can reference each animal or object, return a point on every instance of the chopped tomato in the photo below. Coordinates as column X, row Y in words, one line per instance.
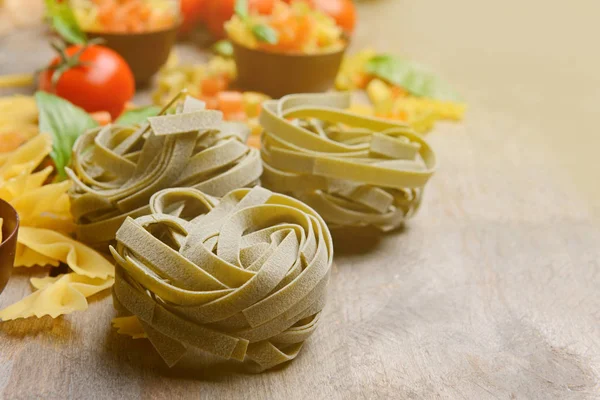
column 102, row 117
column 361, row 80
column 211, row 86
column 212, row 103
column 254, row 141
column 231, row 102
column 397, row 91
column 239, row 116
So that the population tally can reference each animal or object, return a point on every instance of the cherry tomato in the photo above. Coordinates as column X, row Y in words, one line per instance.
column 192, row 12
column 101, row 82
column 220, row 11
column 343, row 11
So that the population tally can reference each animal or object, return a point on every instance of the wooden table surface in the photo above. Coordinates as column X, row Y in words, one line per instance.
column 492, row 291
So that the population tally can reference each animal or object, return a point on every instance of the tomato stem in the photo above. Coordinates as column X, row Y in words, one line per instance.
column 67, row 62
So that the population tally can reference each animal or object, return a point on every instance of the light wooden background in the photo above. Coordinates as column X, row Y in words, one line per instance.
column 491, row 292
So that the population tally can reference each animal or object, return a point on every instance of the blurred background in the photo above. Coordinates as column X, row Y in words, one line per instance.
column 532, row 63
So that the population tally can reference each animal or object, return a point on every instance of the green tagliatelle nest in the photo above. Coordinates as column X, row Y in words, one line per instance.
column 116, row 169
column 353, row 170
column 242, row 278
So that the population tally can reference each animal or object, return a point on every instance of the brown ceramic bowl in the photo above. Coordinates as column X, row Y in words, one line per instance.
column 145, row 52
column 279, row 74
column 10, row 226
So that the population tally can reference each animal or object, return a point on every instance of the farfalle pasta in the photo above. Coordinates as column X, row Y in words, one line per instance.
column 116, row 169
column 242, row 278
column 43, row 239
column 56, row 296
column 353, row 170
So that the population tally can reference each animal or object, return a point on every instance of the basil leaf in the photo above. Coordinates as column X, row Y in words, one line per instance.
column 138, row 115
column 64, row 22
column 411, row 76
column 64, row 122
column 265, row 33
column 241, row 8
column 223, row 48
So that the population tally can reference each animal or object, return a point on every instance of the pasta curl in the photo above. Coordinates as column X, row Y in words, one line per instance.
column 242, row 278
column 353, row 170
column 116, row 169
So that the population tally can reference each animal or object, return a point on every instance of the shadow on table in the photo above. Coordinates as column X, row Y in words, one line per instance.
column 140, row 355
column 359, row 240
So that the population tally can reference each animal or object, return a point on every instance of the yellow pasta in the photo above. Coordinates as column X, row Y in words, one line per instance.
column 80, row 258
column 56, row 296
column 18, row 111
column 66, row 293
column 44, row 212
column 26, row 158
column 443, row 109
column 243, row 278
column 23, row 188
column 354, row 170
column 129, row 326
column 16, row 80
column 175, row 77
column 351, row 75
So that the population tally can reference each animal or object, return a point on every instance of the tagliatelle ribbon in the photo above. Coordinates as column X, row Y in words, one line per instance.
column 116, row 169
column 242, row 278
column 353, row 170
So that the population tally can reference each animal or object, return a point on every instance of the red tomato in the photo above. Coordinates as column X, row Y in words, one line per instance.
column 220, row 11
column 192, row 12
column 103, row 83
column 343, row 11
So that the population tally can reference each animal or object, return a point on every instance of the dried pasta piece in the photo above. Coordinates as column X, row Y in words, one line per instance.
column 45, row 217
column 26, row 158
column 18, row 121
column 116, row 169
column 56, row 296
column 23, row 188
column 129, row 326
column 242, row 278
column 60, row 248
column 353, row 170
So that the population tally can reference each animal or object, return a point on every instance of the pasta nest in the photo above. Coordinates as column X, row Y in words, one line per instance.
column 116, row 169
column 242, row 278
column 353, row 170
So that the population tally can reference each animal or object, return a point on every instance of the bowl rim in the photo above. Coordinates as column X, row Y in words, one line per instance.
column 174, row 27
column 17, row 223
column 291, row 55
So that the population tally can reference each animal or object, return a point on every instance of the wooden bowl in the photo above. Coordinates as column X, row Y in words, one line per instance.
column 279, row 74
column 145, row 52
column 10, row 227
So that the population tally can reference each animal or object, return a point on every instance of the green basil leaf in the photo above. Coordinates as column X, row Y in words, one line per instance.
column 241, row 8
column 223, row 48
column 265, row 33
column 64, row 22
column 411, row 76
column 138, row 115
column 64, row 122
